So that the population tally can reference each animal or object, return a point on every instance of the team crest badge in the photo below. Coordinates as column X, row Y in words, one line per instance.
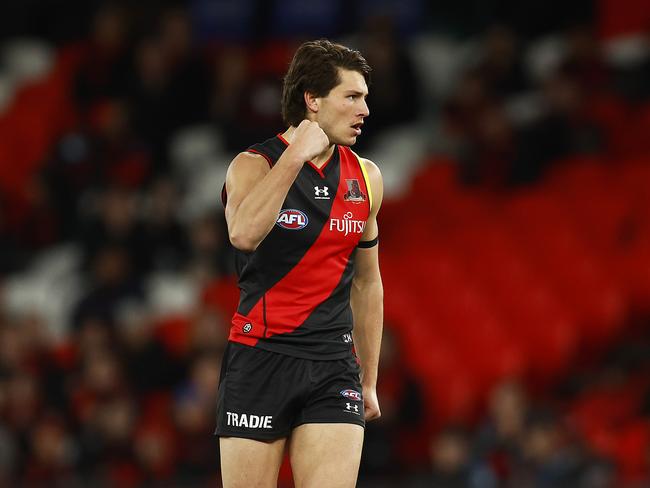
column 354, row 193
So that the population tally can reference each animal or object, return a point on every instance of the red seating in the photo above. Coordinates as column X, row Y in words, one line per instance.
column 223, row 295
column 633, row 443
column 607, row 417
column 174, row 334
column 483, row 287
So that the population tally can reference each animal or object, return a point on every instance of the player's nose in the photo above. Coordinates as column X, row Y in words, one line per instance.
column 364, row 111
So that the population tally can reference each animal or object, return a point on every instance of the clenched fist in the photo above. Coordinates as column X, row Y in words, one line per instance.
column 309, row 140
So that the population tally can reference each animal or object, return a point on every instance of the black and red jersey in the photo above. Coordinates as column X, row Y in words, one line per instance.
column 295, row 287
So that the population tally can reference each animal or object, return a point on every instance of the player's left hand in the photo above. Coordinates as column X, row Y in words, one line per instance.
column 371, row 403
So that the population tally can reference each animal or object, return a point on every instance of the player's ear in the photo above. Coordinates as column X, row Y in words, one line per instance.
column 312, row 102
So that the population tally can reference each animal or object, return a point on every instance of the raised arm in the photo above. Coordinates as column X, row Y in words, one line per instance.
column 367, row 297
column 256, row 192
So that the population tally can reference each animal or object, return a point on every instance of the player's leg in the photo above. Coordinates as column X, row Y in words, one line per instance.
column 327, row 436
column 249, row 463
column 257, row 398
column 326, row 455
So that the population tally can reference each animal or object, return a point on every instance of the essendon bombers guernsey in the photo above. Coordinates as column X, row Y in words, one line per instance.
column 295, row 287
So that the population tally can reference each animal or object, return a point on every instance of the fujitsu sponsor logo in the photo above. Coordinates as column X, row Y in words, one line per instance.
column 347, row 225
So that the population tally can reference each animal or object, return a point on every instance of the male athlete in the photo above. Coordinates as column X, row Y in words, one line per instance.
column 302, row 210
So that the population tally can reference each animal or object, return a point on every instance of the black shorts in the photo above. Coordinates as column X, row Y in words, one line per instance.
column 265, row 395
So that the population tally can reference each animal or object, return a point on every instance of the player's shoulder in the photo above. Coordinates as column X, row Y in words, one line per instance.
column 263, row 153
column 372, row 169
column 244, row 170
column 248, row 161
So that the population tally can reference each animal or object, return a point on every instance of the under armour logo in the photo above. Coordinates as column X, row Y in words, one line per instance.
column 349, row 406
column 322, row 193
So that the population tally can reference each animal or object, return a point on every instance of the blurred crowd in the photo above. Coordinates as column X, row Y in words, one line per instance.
column 123, row 393
column 504, row 133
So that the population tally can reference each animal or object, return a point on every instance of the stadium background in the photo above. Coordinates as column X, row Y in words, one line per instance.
column 514, row 138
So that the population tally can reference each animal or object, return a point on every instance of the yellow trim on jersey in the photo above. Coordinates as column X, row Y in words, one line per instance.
column 365, row 177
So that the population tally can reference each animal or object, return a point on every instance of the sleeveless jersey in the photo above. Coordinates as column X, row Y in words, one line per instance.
column 295, row 287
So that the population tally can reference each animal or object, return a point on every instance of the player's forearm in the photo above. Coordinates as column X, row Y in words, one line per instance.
column 258, row 212
column 367, row 307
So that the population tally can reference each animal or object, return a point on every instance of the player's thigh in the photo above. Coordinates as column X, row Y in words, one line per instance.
column 249, row 463
column 326, row 455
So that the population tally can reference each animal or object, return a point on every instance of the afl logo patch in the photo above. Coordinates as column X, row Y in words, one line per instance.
column 351, row 394
column 292, row 219
column 247, row 327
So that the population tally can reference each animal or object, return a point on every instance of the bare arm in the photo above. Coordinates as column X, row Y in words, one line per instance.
column 366, row 299
column 256, row 193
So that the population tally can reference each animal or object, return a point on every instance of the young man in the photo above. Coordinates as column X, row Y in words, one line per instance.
column 302, row 210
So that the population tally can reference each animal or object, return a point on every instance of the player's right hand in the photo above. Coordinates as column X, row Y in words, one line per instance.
column 309, row 140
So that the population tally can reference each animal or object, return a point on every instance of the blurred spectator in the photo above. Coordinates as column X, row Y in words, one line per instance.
column 92, row 335
column 584, row 61
column 100, row 378
column 24, row 345
column 391, row 443
column 13, row 349
column 23, row 403
column 480, row 135
column 394, row 91
column 188, row 78
column 207, row 258
column 194, row 416
column 98, row 154
column 117, row 225
column 148, row 364
column 230, row 73
column 103, row 70
column 498, row 439
column 501, row 64
column 565, row 128
column 12, row 258
column 246, row 95
column 165, row 237
column 204, row 376
column 8, row 448
column 491, row 151
column 148, row 95
column 459, row 110
column 632, row 79
column 113, row 285
column 52, row 455
column 209, row 332
column 107, row 450
column 118, row 155
column 169, row 88
column 39, row 225
column 451, row 463
column 549, row 458
column 155, row 451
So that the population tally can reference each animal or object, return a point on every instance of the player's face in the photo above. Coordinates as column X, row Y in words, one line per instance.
column 342, row 111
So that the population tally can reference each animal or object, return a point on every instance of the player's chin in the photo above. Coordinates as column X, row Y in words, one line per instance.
column 345, row 141
column 350, row 141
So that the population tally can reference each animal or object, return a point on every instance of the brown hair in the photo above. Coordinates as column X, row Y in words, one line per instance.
column 314, row 69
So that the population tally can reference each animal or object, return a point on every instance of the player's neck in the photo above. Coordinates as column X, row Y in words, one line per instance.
column 320, row 160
